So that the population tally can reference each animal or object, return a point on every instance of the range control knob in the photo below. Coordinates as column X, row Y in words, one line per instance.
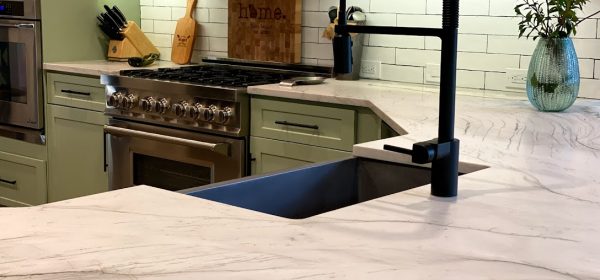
column 181, row 109
column 114, row 100
column 129, row 101
column 148, row 104
column 194, row 111
column 208, row 114
column 223, row 116
column 162, row 106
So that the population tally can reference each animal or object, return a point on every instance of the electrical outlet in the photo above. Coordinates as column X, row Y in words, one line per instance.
column 516, row 78
column 370, row 69
column 432, row 73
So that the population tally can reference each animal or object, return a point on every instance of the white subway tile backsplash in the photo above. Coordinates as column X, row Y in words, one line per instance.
column 215, row 4
column 315, row 19
column 431, row 21
column 590, row 88
column 487, row 62
column 466, row 43
column 163, row 13
column 489, row 25
column 161, row 40
column 319, row 51
column 325, row 4
column 219, row 30
column 399, row 7
column 218, row 15
column 406, row 74
column 310, row 5
column 467, row 7
column 510, row 45
column 164, row 26
column 385, row 55
column 218, row 44
column 170, row 3
column 381, row 19
column 586, row 68
column 405, row 42
column 488, row 41
column 412, row 57
column 587, row 29
column 503, row 7
column 470, row 79
column 310, row 35
column 147, row 25
column 587, row 48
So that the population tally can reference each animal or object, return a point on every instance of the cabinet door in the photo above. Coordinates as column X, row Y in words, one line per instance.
column 75, row 153
column 22, row 180
column 273, row 155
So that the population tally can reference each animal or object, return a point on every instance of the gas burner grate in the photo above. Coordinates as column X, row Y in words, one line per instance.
column 211, row 75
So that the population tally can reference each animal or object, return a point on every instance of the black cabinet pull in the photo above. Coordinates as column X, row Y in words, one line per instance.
column 315, row 127
column 8, row 182
column 76, row 92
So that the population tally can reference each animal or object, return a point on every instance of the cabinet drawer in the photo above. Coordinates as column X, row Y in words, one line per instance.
column 272, row 155
column 306, row 124
column 22, row 180
column 76, row 91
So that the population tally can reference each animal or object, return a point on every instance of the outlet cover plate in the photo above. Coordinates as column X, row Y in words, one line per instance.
column 432, row 73
column 516, row 78
column 370, row 69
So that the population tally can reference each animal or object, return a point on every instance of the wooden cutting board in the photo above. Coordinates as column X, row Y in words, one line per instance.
column 265, row 30
column 185, row 36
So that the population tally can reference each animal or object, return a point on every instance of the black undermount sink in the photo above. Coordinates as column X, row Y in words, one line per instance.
column 316, row 189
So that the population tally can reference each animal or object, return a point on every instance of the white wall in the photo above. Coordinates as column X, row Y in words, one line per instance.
column 488, row 42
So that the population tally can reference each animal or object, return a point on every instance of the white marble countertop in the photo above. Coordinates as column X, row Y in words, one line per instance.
column 99, row 67
column 534, row 214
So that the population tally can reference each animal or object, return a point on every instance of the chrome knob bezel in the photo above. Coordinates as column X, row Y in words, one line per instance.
column 147, row 104
column 161, row 106
column 224, row 115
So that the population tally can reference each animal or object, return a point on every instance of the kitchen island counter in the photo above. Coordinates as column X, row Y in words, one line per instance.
column 535, row 213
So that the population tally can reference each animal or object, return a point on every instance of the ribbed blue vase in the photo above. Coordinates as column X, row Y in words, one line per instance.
column 553, row 77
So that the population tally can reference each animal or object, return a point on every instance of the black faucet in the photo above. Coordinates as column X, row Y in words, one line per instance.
column 442, row 152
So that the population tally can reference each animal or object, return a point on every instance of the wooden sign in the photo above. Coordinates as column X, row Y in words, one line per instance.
column 265, row 30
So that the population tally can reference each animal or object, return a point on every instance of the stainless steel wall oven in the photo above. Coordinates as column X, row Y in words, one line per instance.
column 21, row 98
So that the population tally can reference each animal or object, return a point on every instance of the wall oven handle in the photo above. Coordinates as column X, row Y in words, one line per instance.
column 18, row 25
column 8, row 182
column 221, row 148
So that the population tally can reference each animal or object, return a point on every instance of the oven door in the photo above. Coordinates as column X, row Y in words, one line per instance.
column 170, row 159
column 20, row 74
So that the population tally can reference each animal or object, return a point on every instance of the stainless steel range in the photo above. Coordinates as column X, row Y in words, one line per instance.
column 176, row 128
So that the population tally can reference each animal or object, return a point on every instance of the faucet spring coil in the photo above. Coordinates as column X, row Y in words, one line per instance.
column 450, row 16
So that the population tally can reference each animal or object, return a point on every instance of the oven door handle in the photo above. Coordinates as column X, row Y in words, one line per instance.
column 18, row 25
column 220, row 148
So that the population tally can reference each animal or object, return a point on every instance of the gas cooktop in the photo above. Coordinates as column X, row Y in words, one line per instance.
column 214, row 75
column 210, row 97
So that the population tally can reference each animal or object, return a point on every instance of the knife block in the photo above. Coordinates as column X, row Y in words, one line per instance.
column 122, row 50
column 135, row 44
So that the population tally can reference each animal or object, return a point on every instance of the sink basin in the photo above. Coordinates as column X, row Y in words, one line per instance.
column 316, row 189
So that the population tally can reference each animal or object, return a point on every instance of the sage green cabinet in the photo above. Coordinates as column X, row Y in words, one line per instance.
column 75, row 152
column 272, row 155
column 22, row 180
column 288, row 133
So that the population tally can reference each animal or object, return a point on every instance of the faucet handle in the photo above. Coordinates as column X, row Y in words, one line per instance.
column 423, row 152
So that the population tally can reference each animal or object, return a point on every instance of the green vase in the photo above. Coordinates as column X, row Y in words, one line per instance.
column 553, row 77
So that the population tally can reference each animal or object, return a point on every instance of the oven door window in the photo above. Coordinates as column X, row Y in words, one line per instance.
column 13, row 72
column 168, row 174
